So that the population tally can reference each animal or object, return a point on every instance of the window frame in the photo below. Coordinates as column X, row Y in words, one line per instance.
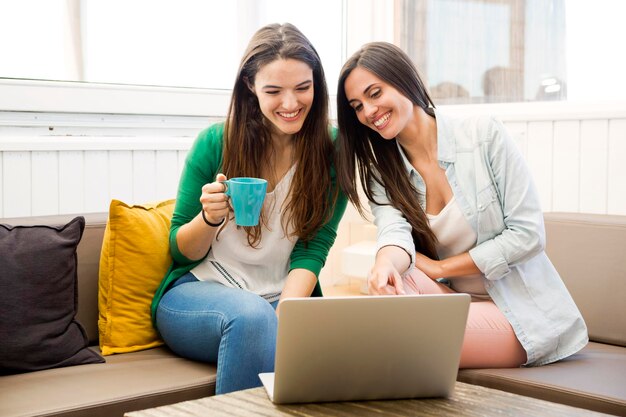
column 77, row 97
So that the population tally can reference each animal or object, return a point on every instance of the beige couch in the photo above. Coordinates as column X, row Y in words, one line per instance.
column 126, row 382
column 588, row 250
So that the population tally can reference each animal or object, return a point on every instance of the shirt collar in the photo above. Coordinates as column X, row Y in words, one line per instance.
column 446, row 145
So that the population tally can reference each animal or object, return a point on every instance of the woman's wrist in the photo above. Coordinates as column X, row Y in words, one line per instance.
column 440, row 268
column 218, row 224
column 457, row 266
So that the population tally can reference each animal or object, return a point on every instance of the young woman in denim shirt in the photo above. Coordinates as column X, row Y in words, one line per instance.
column 452, row 198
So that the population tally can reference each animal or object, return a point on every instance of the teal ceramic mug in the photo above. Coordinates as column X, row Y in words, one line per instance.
column 246, row 197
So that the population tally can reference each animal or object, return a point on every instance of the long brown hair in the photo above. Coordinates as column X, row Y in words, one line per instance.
column 247, row 136
column 375, row 158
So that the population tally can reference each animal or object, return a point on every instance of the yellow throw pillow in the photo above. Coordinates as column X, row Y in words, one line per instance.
column 135, row 257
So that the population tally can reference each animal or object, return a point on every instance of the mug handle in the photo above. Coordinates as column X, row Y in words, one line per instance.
column 226, row 187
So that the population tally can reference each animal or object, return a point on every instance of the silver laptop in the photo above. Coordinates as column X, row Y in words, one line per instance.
column 367, row 348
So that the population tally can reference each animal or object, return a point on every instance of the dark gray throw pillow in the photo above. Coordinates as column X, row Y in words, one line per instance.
column 38, row 298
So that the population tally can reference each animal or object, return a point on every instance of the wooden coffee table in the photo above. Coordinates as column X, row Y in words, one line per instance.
column 467, row 400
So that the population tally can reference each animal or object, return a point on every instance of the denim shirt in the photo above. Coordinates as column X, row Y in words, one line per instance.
column 494, row 188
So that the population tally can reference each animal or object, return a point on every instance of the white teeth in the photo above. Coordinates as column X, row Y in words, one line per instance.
column 382, row 120
column 289, row 115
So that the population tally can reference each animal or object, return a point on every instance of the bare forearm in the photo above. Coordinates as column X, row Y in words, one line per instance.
column 455, row 266
column 300, row 283
column 459, row 265
column 194, row 238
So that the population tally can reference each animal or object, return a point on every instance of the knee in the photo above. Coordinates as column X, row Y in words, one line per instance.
column 254, row 312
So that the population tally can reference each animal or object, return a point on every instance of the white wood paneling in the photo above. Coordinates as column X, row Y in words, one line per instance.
column 71, row 182
column 593, row 166
column 577, row 159
column 539, row 157
column 617, row 167
column 121, row 174
column 144, row 177
column 182, row 155
column 518, row 131
column 92, row 143
column 166, row 174
column 566, row 162
column 97, row 194
column 16, row 184
column 45, row 183
column 76, row 181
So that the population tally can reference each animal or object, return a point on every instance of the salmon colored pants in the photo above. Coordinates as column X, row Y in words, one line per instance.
column 489, row 340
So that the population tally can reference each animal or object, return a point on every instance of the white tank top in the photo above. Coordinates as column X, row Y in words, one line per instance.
column 455, row 235
column 261, row 270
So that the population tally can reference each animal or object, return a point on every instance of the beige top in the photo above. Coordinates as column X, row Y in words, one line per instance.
column 455, row 235
column 261, row 270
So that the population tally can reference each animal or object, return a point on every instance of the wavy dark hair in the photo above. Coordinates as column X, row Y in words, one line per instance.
column 362, row 150
column 247, row 135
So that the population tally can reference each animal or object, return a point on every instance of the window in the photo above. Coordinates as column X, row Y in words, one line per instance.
column 169, row 57
column 177, row 43
column 183, row 43
column 468, row 51
column 480, row 51
column 34, row 40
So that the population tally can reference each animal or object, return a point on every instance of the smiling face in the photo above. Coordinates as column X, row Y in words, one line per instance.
column 284, row 88
column 377, row 104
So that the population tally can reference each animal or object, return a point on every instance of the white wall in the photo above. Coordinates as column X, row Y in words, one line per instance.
column 575, row 152
column 53, row 163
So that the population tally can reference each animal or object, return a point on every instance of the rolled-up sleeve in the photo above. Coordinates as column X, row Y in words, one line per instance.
column 523, row 236
column 393, row 228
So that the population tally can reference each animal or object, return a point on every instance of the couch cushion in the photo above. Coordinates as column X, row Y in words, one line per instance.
column 38, row 298
column 127, row 382
column 593, row 378
column 135, row 257
column 588, row 251
column 88, row 263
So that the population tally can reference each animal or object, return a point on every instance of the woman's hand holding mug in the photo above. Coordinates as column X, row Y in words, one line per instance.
column 215, row 201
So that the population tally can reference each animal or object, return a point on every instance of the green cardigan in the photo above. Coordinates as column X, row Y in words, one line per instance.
column 202, row 165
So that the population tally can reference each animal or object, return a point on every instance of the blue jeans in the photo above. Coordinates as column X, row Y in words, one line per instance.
column 208, row 322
